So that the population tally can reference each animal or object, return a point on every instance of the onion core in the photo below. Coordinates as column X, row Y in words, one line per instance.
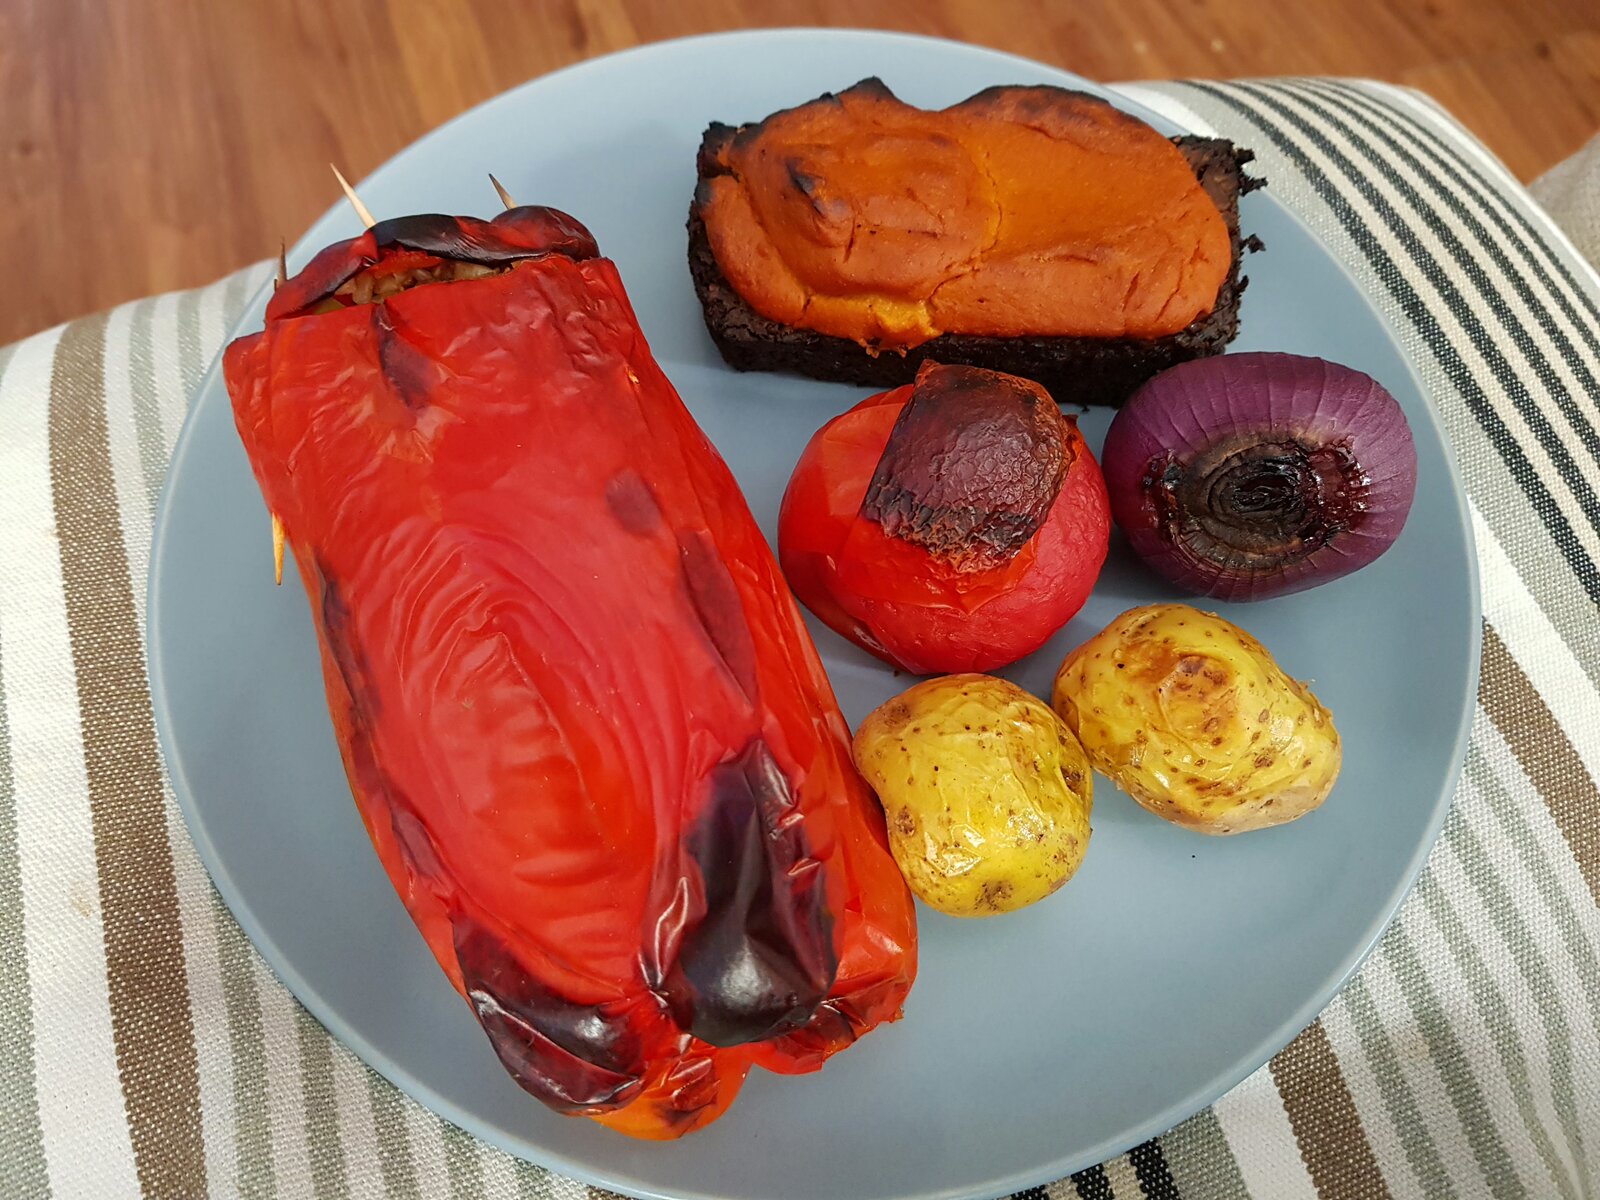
column 1252, row 475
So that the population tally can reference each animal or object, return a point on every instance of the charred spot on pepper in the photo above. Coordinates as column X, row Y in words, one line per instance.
column 714, row 599
column 576, row 1058
column 761, row 958
column 632, row 501
column 411, row 375
column 410, row 833
column 972, row 466
column 343, row 645
column 412, row 836
column 836, row 1019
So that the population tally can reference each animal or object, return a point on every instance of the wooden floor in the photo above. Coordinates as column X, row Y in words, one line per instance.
column 155, row 144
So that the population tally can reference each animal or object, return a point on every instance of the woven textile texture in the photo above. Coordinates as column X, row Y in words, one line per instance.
column 1570, row 193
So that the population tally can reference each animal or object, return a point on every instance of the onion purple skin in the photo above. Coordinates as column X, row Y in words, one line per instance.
column 1258, row 474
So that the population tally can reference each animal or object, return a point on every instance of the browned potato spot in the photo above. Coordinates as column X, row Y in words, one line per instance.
column 1190, row 716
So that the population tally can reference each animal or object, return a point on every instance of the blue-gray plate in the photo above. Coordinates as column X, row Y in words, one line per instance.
column 1033, row 1044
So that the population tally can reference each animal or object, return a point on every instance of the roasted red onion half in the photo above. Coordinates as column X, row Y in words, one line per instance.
column 1251, row 475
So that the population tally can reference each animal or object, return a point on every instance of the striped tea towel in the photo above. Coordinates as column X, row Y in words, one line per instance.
column 145, row 1048
column 1570, row 193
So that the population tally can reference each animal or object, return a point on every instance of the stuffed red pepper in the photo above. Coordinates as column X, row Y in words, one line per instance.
column 584, row 725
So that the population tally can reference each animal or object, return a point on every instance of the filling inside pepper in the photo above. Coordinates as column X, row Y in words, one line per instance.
column 398, row 272
column 411, row 251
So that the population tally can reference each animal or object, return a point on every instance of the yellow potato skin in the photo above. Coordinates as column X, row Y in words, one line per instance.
column 1193, row 718
column 986, row 792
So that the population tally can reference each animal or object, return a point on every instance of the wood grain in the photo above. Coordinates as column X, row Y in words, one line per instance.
column 155, row 144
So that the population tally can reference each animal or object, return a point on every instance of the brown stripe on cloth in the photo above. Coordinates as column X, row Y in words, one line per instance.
column 1545, row 752
column 21, row 1137
column 138, row 894
column 1323, row 1115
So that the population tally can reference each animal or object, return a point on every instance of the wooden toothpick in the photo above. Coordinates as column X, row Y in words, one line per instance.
column 355, row 201
column 277, row 550
column 505, row 196
column 277, row 525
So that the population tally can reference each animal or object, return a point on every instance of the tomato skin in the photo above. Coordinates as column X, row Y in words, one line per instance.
column 893, row 598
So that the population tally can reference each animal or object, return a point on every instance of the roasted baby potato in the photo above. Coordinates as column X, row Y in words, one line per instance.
column 1191, row 716
column 987, row 793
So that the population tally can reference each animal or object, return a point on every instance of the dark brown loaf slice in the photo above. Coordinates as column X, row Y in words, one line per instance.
column 1075, row 370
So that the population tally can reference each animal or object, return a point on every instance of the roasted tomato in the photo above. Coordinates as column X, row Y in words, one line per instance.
column 950, row 525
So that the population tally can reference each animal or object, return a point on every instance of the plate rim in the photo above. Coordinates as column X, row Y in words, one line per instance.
column 1171, row 1114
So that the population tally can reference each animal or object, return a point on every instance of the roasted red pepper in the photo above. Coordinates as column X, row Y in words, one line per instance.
column 582, row 719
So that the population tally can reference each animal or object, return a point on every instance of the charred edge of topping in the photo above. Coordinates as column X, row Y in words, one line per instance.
column 972, row 467
column 715, row 600
column 1257, row 505
column 762, row 957
column 410, row 374
column 871, row 87
column 1248, row 183
column 1225, row 170
column 718, row 136
column 1036, row 98
column 804, row 183
column 633, row 503
column 702, row 193
column 575, row 1058
column 708, row 160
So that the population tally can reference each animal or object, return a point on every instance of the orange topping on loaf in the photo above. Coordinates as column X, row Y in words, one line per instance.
column 1023, row 211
